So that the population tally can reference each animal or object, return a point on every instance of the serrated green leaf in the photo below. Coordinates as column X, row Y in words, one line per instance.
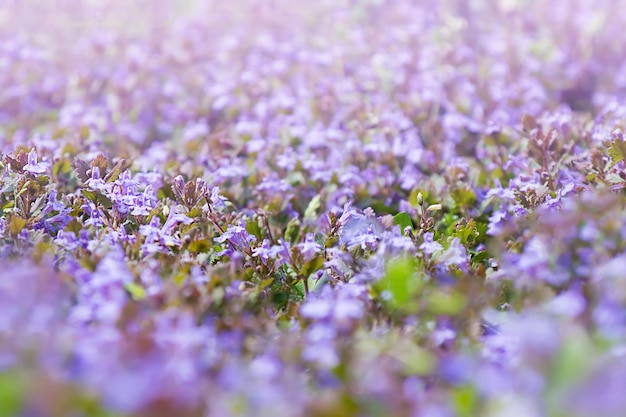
column 468, row 234
column 195, row 212
column 617, row 150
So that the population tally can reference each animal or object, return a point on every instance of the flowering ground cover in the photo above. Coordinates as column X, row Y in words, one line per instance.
column 331, row 208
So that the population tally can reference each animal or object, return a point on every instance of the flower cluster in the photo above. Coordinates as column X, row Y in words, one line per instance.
column 326, row 208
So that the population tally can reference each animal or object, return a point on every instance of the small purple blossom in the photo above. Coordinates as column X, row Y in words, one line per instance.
column 33, row 166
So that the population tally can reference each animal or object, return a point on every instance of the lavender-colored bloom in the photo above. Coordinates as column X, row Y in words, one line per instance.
column 317, row 308
column 358, row 229
column 429, row 246
column 600, row 393
column 309, row 248
column 456, row 254
column 570, row 304
column 264, row 251
column 33, row 166
column 217, row 199
column 238, row 236
column 175, row 217
column 495, row 222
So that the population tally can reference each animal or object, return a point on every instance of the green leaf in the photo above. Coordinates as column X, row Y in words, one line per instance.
column 312, row 208
column 121, row 166
column 416, row 360
column 403, row 220
column 312, row 266
column 265, row 283
column 12, row 393
column 195, row 212
column 280, row 299
column 413, row 196
column 468, row 233
column 292, row 233
column 465, row 400
column 136, row 291
column 300, row 285
column 478, row 257
column 200, row 246
column 446, row 304
column 62, row 167
column 401, row 283
column 101, row 162
column 617, row 150
column 16, row 224
column 97, row 197
column 571, row 363
column 463, row 197
column 253, row 228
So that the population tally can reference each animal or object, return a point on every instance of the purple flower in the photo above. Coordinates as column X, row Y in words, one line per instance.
column 217, row 199
column 237, row 236
column 33, row 166
column 358, row 229
column 430, row 246
column 309, row 248
column 455, row 255
column 570, row 304
column 175, row 217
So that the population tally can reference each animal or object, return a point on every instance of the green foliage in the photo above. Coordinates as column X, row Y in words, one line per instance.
column 463, row 197
column 253, row 228
column 16, row 225
column 312, row 266
column 415, row 360
column 617, row 150
column 471, row 233
column 200, row 246
column 12, row 393
column 450, row 304
column 312, row 208
column 292, row 233
column 136, row 291
column 97, row 198
column 402, row 283
column 403, row 220
column 465, row 400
